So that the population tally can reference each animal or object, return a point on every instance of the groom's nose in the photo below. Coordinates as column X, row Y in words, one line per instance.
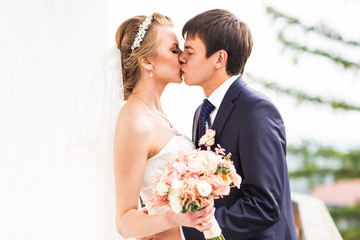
column 182, row 59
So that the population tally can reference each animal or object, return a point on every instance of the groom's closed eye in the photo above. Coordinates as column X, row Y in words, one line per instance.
column 188, row 50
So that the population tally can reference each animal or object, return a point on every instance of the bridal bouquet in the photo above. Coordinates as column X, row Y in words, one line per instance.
column 196, row 177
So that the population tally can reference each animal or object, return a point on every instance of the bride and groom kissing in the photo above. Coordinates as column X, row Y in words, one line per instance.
column 217, row 46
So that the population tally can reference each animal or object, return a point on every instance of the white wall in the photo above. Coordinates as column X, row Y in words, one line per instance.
column 43, row 194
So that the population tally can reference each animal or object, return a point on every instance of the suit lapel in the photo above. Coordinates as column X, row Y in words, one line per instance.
column 227, row 106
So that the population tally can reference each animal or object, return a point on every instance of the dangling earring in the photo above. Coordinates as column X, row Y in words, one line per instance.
column 151, row 68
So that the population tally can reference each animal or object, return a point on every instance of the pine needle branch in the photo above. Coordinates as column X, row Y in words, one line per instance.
column 301, row 96
column 321, row 30
column 302, row 48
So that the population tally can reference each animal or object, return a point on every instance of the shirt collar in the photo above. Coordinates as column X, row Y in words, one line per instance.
column 217, row 96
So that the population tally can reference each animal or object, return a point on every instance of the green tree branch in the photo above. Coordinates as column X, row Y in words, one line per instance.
column 302, row 96
column 302, row 48
column 321, row 30
column 347, row 164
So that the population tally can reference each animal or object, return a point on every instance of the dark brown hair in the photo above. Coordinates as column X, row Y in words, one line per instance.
column 220, row 29
column 125, row 36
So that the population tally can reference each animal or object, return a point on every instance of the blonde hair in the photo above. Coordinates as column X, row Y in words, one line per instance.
column 125, row 36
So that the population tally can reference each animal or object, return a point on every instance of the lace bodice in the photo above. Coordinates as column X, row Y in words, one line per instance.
column 156, row 165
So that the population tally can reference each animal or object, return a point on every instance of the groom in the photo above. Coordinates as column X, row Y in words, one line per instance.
column 217, row 46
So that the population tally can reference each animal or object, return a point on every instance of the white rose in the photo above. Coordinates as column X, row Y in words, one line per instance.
column 175, row 201
column 177, row 185
column 180, row 167
column 162, row 188
column 195, row 166
column 215, row 158
column 204, row 188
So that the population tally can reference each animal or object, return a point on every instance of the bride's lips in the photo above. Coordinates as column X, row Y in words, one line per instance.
column 181, row 72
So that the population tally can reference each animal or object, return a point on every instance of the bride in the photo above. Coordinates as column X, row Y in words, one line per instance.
column 144, row 136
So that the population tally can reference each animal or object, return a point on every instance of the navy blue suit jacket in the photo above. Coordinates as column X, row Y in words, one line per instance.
column 249, row 126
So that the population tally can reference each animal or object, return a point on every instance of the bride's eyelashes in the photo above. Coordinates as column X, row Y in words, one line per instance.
column 176, row 51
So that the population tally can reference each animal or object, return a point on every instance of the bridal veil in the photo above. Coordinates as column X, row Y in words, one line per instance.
column 100, row 97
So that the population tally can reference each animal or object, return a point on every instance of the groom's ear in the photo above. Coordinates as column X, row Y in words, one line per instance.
column 221, row 60
column 146, row 62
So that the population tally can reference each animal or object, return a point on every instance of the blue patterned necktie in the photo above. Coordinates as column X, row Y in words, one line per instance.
column 206, row 109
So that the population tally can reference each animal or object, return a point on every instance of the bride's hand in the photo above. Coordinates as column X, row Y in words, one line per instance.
column 198, row 220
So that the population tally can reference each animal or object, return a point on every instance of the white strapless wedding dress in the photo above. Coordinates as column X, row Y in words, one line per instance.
column 157, row 164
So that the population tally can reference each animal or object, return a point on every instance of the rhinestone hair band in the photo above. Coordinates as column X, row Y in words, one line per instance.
column 141, row 32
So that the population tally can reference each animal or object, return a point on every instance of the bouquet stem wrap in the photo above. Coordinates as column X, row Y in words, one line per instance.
column 215, row 231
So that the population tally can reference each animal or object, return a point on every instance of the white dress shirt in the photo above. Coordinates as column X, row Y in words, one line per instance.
column 217, row 96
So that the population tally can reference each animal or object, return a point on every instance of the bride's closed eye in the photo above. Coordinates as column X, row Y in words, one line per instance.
column 176, row 51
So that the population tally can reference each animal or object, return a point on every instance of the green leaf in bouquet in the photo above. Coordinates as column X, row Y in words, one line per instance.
column 221, row 169
column 193, row 207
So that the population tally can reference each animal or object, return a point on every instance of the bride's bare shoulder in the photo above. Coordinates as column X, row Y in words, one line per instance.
column 135, row 119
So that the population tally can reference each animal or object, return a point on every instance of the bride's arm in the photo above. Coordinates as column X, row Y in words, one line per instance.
column 131, row 149
column 133, row 146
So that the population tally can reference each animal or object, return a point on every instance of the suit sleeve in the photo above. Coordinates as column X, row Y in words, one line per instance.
column 262, row 154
